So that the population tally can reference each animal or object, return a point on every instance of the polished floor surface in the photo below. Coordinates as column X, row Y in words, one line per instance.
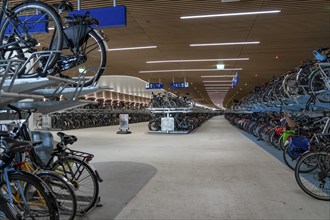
column 215, row 172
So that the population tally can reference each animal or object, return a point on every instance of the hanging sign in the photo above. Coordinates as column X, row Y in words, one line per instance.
column 107, row 16
column 154, row 85
column 179, row 85
column 235, row 81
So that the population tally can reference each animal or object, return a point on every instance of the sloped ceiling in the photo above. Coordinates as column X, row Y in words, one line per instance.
column 286, row 38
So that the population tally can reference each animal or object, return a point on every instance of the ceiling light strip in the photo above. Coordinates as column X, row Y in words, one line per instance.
column 188, row 70
column 225, row 44
column 222, row 85
column 197, row 60
column 223, row 88
column 216, row 76
column 217, row 81
column 231, row 14
column 132, row 48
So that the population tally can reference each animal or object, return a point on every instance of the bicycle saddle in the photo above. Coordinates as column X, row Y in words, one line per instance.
column 13, row 146
column 63, row 6
column 67, row 139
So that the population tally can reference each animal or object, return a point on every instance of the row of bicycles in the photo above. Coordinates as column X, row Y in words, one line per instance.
column 78, row 119
column 170, row 101
column 305, row 149
column 60, row 186
column 182, row 121
column 48, row 41
column 115, row 105
column 305, row 87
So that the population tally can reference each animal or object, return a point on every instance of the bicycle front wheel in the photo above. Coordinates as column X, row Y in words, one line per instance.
column 88, row 60
column 83, row 179
column 315, row 182
column 32, row 28
column 30, row 196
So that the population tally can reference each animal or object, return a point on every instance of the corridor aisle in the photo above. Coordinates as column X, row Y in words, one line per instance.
column 214, row 172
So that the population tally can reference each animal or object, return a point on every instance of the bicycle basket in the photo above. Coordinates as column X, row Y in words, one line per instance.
column 297, row 146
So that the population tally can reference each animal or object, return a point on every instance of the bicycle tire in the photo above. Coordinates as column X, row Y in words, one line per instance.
column 317, row 83
column 85, row 201
column 8, row 209
column 154, row 125
column 90, row 63
column 45, row 18
column 290, row 162
column 311, row 182
column 63, row 191
column 32, row 185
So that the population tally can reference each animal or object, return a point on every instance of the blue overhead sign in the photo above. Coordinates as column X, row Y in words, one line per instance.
column 235, row 81
column 154, row 85
column 107, row 16
column 179, row 85
column 32, row 23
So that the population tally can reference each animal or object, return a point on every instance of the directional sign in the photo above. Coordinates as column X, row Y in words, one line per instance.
column 154, row 85
column 179, row 85
column 235, row 81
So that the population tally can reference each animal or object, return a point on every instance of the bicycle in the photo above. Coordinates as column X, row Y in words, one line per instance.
column 84, row 48
column 27, row 192
column 27, row 30
column 73, row 165
column 316, row 180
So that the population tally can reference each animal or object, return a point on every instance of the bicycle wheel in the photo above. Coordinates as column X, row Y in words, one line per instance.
column 290, row 162
column 8, row 209
column 33, row 27
column 82, row 178
column 154, row 125
column 63, row 191
column 316, row 182
column 88, row 61
column 30, row 196
column 320, row 81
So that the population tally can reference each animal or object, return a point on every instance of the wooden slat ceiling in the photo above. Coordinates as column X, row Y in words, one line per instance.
column 301, row 27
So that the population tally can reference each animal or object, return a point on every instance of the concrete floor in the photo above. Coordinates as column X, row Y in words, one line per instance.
column 215, row 172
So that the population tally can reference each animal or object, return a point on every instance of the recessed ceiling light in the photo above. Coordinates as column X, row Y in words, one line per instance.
column 217, row 85
column 198, row 60
column 186, row 70
column 132, row 48
column 225, row 44
column 217, row 81
column 216, row 76
column 231, row 14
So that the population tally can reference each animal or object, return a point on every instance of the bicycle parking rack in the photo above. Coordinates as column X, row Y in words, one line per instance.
column 167, row 120
column 14, row 89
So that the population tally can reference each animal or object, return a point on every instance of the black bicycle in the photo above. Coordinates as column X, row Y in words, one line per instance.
column 84, row 48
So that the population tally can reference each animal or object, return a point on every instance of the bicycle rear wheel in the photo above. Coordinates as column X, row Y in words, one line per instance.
column 87, row 62
column 83, row 179
column 37, row 203
column 33, row 27
column 315, row 182
column 65, row 196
